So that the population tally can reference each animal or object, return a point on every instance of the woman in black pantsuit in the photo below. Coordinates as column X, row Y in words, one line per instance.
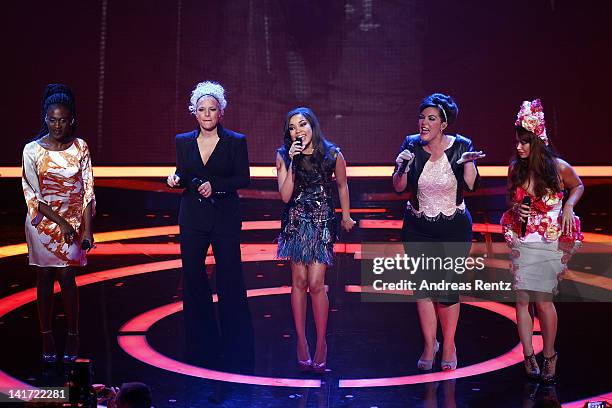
column 211, row 165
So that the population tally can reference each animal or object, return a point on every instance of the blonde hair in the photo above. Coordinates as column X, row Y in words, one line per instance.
column 207, row 88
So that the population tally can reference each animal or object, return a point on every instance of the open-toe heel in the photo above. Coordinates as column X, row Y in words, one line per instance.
column 426, row 365
column 449, row 365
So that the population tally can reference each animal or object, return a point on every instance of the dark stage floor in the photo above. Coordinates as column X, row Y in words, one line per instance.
column 131, row 320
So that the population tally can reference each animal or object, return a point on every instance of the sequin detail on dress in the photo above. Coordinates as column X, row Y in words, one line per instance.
column 308, row 222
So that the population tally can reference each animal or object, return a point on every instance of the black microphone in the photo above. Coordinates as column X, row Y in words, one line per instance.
column 197, row 182
column 86, row 245
column 526, row 201
column 402, row 167
column 298, row 157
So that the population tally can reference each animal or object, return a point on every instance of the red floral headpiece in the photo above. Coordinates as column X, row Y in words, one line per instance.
column 531, row 118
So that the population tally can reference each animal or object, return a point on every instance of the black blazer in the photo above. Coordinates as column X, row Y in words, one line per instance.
column 227, row 170
column 460, row 145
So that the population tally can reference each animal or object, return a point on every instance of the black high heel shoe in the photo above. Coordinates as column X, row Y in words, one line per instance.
column 48, row 358
column 549, row 369
column 70, row 358
column 531, row 367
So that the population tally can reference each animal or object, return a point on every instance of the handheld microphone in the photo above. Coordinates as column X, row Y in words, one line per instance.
column 402, row 167
column 197, row 182
column 86, row 245
column 526, row 201
column 298, row 157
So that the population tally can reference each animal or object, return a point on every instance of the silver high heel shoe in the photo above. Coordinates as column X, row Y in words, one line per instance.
column 449, row 365
column 426, row 365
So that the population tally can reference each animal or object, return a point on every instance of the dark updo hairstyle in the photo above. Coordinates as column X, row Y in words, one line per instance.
column 61, row 95
column 540, row 166
column 322, row 149
column 447, row 108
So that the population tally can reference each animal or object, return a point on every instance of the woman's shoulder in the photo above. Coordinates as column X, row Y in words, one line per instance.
column 463, row 140
column 31, row 146
column 233, row 135
column 181, row 137
column 80, row 143
column 562, row 164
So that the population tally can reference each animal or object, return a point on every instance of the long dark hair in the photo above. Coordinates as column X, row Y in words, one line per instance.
column 540, row 166
column 321, row 147
column 57, row 94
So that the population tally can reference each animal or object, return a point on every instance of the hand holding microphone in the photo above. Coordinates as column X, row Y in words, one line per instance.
column 404, row 160
column 524, row 210
column 296, row 148
column 173, row 180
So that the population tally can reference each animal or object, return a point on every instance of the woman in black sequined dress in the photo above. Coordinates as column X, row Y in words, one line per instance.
column 305, row 165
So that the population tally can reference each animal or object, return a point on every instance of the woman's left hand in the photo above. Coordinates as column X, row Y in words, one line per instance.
column 471, row 156
column 568, row 222
column 205, row 189
column 348, row 223
column 88, row 236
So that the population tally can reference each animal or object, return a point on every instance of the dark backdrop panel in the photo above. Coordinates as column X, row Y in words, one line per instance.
column 362, row 65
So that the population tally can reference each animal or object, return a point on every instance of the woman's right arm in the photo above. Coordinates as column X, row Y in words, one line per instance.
column 286, row 179
column 400, row 181
column 400, row 176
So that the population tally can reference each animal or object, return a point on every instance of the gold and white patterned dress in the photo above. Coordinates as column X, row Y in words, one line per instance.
column 64, row 181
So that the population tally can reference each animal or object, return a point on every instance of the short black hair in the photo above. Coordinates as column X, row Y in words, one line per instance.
column 134, row 395
column 444, row 103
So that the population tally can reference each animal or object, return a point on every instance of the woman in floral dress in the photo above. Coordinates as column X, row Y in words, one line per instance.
column 552, row 231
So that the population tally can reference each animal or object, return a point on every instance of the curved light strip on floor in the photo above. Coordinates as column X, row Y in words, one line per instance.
column 21, row 249
column 514, row 356
column 19, row 299
column 12, row 302
column 140, row 349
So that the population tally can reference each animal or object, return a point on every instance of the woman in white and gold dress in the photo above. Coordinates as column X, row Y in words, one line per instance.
column 57, row 182
column 542, row 235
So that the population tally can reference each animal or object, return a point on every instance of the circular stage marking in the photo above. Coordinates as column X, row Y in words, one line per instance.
column 17, row 300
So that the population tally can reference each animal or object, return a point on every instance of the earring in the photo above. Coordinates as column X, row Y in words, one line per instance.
column 72, row 122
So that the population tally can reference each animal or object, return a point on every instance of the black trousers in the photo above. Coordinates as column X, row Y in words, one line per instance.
column 233, row 344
